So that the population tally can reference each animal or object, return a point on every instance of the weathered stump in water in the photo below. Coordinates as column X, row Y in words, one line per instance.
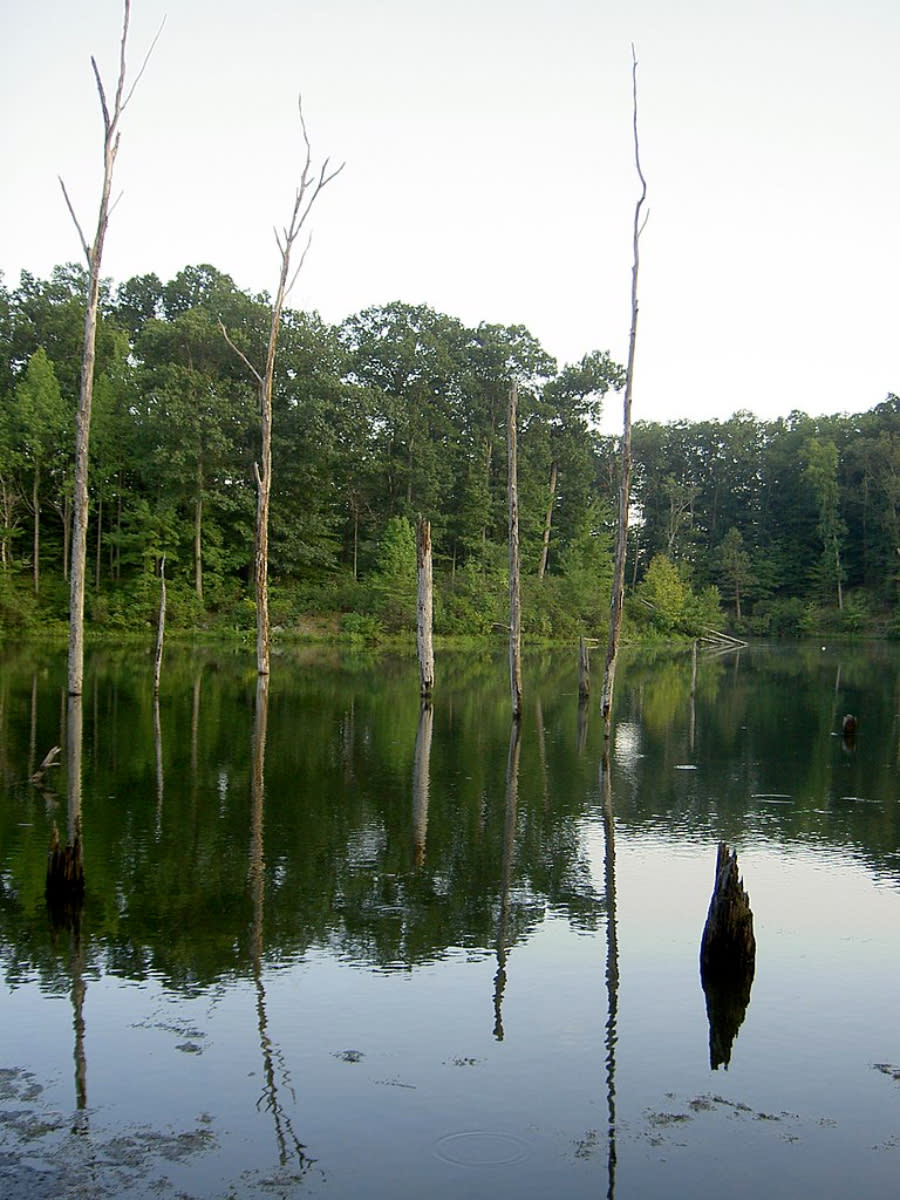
column 727, row 957
column 728, row 943
column 424, row 609
column 65, row 868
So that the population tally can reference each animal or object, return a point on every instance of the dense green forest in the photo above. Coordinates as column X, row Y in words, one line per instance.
column 773, row 527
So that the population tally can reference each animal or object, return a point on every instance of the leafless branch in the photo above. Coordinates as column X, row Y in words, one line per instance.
column 241, row 355
column 293, row 280
column 120, row 84
column 102, row 93
column 85, row 247
column 137, row 78
column 49, row 761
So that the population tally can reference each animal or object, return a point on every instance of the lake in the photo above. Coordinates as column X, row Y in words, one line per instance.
column 334, row 946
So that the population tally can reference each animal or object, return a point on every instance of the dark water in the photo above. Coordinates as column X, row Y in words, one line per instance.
column 330, row 947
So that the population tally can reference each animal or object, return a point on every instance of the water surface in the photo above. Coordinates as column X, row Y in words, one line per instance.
column 332, row 946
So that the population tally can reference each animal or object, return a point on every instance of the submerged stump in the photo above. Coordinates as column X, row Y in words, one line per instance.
column 727, row 957
column 65, row 869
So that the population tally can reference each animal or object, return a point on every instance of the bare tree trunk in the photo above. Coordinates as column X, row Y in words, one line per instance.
column 515, row 596
column 35, row 492
column 618, row 590
column 307, row 192
column 160, row 627
column 65, row 864
column 94, row 255
column 548, row 521
column 837, row 571
column 99, row 545
column 424, row 609
column 7, row 519
column 198, row 537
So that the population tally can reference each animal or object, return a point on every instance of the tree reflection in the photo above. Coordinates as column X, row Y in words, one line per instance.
column 421, row 768
column 509, row 846
column 65, row 897
column 612, row 971
column 289, row 1144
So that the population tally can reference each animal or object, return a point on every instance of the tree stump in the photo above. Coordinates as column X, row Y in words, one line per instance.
column 727, row 957
column 65, row 868
column 728, row 944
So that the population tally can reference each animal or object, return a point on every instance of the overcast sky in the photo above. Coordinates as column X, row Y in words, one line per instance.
column 490, row 172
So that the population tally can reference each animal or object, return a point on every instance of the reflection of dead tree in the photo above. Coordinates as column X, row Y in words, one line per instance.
column 420, row 782
column 612, row 978
column 65, row 897
column 542, row 750
column 195, row 722
column 65, row 864
column 79, row 990
column 509, row 844
column 289, row 1145
column 160, row 781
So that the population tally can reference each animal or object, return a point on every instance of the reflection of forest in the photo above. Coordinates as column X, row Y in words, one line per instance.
column 759, row 754
column 167, row 887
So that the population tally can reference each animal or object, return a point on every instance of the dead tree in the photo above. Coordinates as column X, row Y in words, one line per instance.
column 728, row 940
column 727, row 957
column 160, row 627
column 93, row 253
column 424, row 609
column 64, row 889
column 307, row 193
column 515, row 596
column 617, row 600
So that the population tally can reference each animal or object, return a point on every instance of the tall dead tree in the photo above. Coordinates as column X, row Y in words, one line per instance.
column 93, row 253
column 515, row 594
column 618, row 589
column 308, row 189
column 424, row 609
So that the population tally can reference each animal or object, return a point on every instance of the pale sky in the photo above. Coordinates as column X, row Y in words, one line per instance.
column 490, row 172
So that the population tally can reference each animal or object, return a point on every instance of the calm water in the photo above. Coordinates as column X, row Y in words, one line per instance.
column 332, row 947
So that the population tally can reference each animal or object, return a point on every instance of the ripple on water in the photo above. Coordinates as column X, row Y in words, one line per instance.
column 480, row 1148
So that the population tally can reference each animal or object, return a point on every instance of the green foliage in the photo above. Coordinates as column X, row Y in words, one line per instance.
column 361, row 628
column 394, row 583
column 671, row 604
column 663, row 592
column 475, row 598
column 400, row 410
column 18, row 606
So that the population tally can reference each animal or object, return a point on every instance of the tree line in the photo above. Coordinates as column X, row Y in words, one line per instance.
column 396, row 412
